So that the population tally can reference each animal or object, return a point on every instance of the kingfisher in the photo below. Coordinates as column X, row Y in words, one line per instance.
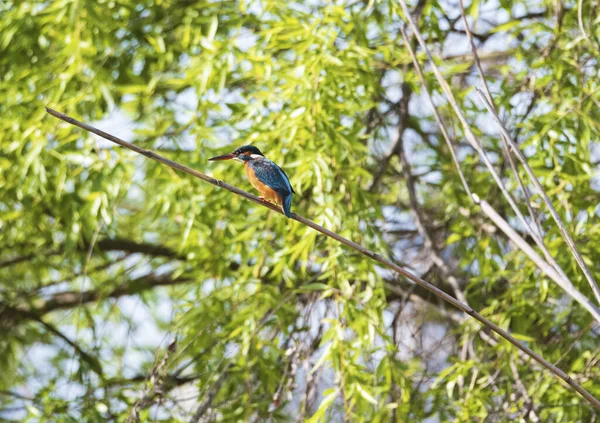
column 264, row 175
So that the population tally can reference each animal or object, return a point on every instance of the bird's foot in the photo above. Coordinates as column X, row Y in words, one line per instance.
column 266, row 200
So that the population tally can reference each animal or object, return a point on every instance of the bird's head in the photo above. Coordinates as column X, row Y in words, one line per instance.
column 242, row 154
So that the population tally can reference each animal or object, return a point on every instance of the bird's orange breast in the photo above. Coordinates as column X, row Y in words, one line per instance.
column 266, row 191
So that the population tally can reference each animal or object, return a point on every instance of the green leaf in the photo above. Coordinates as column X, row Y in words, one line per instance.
column 363, row 393
column 323, row 406
column 453, row 238
column 212, row 30
column 313, row 287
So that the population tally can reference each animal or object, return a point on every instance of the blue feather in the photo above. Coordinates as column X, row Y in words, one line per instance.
column 287, row 205
column 272, row 175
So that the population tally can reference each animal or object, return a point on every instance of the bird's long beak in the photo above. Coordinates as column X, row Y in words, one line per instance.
column 223, row 157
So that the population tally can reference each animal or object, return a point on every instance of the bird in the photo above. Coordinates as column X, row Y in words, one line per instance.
column 264, row 175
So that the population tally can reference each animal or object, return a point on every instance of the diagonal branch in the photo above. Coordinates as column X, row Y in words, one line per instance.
column 422, row 227
column 561, row 226
column 553, row 271
column 362, row 250
column 436, row 114
column 582, row 27
column 17, row 260
column 92, row 361
column 504, row 141
column 475, row 144
column 550, row 271
column 539, row 240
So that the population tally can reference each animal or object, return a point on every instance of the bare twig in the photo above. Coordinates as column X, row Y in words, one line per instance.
column 403, row 118
column 214, row 389
column 542, row 192
column 475, row 144
column 582, row 27
column 553, row 272
column 539, row 262
column 152, row 385
column 91, row 360
column 86, row 263
column 212, row 393
column 436, row 114
column 403, row 114
column 504, row 141
column 362, row 250
column 433, row 251
column 529, row 411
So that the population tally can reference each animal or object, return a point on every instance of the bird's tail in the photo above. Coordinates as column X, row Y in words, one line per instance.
column 287, row 205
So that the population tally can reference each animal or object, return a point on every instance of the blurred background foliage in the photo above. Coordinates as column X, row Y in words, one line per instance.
column 107, row 257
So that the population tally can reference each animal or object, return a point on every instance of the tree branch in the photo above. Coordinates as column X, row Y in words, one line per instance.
column 362, row 250
column 504, row 141
column 17, row 260
column 212, row 393
column 129, row 246
column 92, row 361
column 488, row 96
column 69, row 299
column 508, row 143
column 549, row 270
column 108, row 244
column 422, row 227
column 436, row 114
column 402, row 124
column 461, row 117
column 563, row 230
column 13, row 315
column 153, row 386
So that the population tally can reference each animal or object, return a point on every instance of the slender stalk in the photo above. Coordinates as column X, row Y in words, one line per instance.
column 422, row 227
column 436, row 114
column 504, row 141
column 550, row 271
column 549, row 267
column 539, row 237
column 561, row 226
column 461, row 117
column 212, row 393
column 364, row 251
column 582, row 27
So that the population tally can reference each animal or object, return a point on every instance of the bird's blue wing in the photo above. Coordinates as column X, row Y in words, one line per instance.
column 272, row 175
column 286, row 178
